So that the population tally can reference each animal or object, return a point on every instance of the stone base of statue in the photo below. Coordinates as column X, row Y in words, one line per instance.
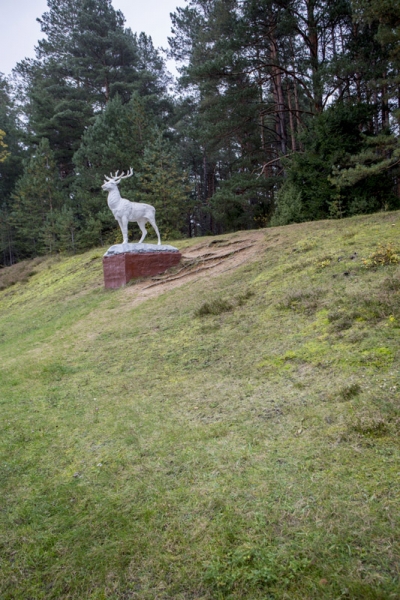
column 124, row 262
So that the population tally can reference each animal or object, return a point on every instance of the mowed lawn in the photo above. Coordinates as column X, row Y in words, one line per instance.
column 232, row 438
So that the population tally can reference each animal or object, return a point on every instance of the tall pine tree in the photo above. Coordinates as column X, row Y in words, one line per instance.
column 86, row 59
column 163, row 184
column 37, row 201
column 12, row 154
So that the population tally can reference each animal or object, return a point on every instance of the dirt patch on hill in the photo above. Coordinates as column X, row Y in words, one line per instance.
column 206, row 259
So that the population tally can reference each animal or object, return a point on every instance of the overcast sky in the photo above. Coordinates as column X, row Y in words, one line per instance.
column 20, row 31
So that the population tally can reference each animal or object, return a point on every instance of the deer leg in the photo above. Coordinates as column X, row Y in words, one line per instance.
column 120, row 226
column 154, row 226
column 123, row 223
column 142, row 225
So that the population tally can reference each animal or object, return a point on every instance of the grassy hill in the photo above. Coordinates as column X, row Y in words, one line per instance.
column 230, row 432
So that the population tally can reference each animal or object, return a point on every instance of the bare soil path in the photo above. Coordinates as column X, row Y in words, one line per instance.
column 206, row 259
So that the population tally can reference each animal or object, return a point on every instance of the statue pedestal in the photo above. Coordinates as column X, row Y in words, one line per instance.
column 124, row 262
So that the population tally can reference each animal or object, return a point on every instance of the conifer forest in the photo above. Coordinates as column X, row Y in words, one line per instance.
column 284, row 111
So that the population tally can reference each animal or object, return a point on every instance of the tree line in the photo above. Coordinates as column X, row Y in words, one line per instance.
column 284, row 111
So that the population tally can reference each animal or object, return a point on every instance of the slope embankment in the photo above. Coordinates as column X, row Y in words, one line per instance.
column 228, row 429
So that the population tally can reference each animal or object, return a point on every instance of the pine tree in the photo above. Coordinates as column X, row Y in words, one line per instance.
column 37, row 201
column 88, row 42
column 163, row 184
column 224, row 124
column 3, row 147
column 380, row 156
column 10, row 169
column 87, row 58
column 331, row 140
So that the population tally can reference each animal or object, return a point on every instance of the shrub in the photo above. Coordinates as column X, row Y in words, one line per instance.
column 288, row 207
column 323, row 261
column 383, row 255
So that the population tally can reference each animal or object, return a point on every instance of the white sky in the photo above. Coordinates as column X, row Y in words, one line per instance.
column 20, row 31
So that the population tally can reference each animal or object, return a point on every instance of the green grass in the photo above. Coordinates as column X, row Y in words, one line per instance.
column 161, row 451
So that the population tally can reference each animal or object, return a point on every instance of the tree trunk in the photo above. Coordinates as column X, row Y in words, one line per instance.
column 279, row 101
column 385, row 105
column 291, row 120
column 312, row 33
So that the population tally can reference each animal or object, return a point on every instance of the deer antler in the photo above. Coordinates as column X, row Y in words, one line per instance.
column 112, row 177
column 117, row 178
column 129, row 174
column 122, row 176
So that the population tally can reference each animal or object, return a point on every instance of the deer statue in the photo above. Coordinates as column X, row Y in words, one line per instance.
column 125, row 211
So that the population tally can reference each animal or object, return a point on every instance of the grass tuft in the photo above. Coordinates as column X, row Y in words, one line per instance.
column 349, row 391
column 341, row 320
column 220, row 305
column 306, row 245
column 307, row 301
column 241, row 299
column 371, row 426
column 214, row 307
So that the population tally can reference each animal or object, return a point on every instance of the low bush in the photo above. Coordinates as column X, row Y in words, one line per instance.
column 385, row 254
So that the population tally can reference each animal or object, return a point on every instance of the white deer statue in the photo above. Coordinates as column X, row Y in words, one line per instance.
column 125, row 211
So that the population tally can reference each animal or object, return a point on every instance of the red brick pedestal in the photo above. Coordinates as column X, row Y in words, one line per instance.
column 121, row 268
